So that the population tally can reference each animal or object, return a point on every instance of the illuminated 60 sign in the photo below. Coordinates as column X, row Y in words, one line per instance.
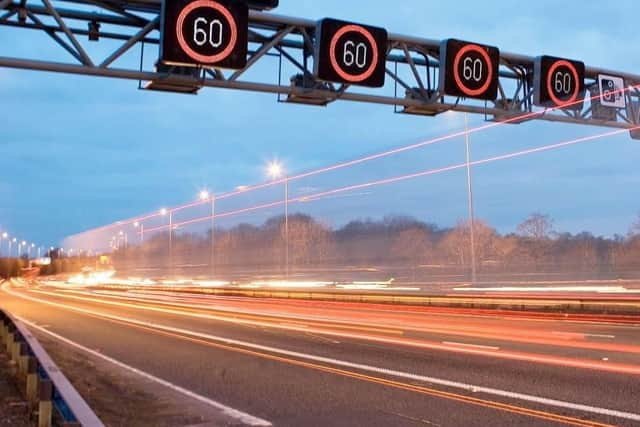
column 558, row 82
column 469, row 70
column 205, row 33
column 350, row 53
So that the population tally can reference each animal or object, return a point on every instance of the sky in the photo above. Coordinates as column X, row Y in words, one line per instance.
column 79, row 152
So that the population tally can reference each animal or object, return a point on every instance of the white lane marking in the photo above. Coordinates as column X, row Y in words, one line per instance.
column 487, row 347
column 231, row 412
column 368, row 368
column 580, row 335
column 321, row 338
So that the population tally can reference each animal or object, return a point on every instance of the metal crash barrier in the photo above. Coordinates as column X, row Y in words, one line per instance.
column 41, row 381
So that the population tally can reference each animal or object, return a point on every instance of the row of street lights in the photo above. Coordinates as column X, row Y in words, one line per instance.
column 275, row 170
column 20, row 245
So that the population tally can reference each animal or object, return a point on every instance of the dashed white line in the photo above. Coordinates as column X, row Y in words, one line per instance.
column 580, row 335
column 485, row 347
column 600, row 336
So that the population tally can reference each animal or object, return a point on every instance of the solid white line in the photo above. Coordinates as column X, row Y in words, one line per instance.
column 368, row 368
column 230, row 412
column 487, row 347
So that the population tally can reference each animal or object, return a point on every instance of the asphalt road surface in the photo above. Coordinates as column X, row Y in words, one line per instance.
column 305, row 363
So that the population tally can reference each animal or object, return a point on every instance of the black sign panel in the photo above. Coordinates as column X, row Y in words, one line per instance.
column 469, row 70
column 558, row 82
column 204, row 33
column 350, row 53
column 262, row 4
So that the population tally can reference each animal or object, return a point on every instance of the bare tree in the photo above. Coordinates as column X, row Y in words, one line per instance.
column 412, row 246
column 457, row 242
column 537, row 226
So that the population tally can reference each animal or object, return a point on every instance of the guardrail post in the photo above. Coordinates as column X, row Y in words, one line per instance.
column 22, row 359
column 15, row 348
column 9, row 342
column 32, row 379
column 45, row 406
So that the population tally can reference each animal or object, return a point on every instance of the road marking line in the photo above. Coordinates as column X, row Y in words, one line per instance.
column 231, row 412
column 321, row 338
column 487, row 347
column 600, row 336
column 581, row 335
column 390, row 372
column 293, row 325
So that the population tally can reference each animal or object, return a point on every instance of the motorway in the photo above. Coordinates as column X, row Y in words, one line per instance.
column 310, row 363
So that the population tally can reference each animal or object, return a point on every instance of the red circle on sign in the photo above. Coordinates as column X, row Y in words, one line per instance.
column 573, row 70
column 206, row 59
column 354, row 78
column 456, row 73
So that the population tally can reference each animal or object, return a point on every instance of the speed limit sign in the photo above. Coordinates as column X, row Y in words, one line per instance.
column 350, row 53
column 204, row 33
column 469, row 70
column 558, row 82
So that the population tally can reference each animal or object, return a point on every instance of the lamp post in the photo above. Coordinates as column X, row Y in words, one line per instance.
column 275, row 171
column 470, row 199
column 125, row 238
column 164, row 212
column 141, row 232
column 204, row 196
column 11, row 241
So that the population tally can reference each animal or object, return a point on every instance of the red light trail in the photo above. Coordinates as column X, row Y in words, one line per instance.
column 392, row 180
column 349, row 163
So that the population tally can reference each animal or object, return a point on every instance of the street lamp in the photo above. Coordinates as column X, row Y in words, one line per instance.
column 125, row 238
column 204, row 196
column 164, row 212
column 11, row 241
column 275, row 171
column 141, row 227
column 472, row 242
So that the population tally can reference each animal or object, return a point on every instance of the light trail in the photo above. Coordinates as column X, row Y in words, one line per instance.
column 382, row 323
column 311, row 197
column 343, row 332
column 250, row 188
column 310, row 358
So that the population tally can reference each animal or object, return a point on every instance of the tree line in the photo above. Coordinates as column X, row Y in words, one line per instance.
column 395, row 242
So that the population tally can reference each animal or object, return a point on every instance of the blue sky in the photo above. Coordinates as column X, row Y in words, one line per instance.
column 79, row 152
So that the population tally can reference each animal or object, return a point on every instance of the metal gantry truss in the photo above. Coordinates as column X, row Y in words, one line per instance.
column 412, row 64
